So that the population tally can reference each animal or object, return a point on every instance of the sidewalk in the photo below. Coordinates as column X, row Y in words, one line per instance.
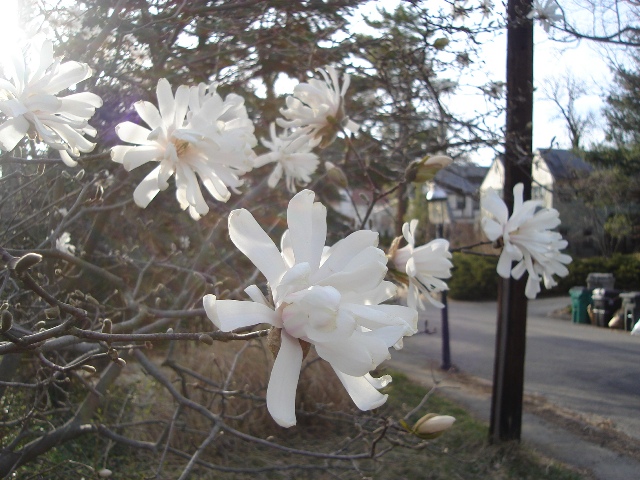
column 550, row 438
column 593, row 460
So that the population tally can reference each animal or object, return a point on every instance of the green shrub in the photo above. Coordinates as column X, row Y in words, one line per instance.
column 625, row 269
column 473, row 277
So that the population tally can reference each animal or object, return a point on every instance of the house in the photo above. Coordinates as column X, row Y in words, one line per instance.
column 554, row 181
column 354, row 205
column 550, row 169
column 461, row 184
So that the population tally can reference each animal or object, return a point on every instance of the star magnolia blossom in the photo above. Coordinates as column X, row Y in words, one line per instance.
column 195, row 132
column 328, row 297
column 425, row 266
column 293, row 157
column 547, row 13
column 526, row 238
column 28, row 99
column 63, row 243
column 317, row 107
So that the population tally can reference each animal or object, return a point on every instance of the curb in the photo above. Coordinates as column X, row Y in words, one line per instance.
column 545, row 434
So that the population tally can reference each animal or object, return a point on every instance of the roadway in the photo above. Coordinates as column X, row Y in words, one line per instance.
column 590, row 370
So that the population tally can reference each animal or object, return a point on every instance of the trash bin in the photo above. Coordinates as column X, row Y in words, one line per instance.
column 580, row 300
column 630, row 309
column 600, row 280
column 605, row 303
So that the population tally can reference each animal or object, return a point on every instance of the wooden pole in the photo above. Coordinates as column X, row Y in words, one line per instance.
column 508, row 375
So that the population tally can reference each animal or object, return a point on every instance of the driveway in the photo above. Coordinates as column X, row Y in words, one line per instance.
column 590, row 370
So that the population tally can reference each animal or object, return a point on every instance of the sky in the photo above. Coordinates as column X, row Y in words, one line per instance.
column 552, row 59
column 584, row 60
column 9, row 24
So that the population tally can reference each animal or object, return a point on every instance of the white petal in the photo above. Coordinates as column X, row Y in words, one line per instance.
column 256, row 295
column 378, row 316
column 361, row 391
column 363, row 272
column 230, row 315
column 275, row 176
column 149, row 114
column 504, row 265
column 492, row 202
column 306, row 232
column 67, row 159
column 492, row 229
column 166, row 102
column 344, row 250
column 133, row 157
column 281, row 392
column 252, row 240
column 362, row 352
column 12, row 131
column 533, row 287
column 147, row 189
column 383, row 292
column 379, row 382
column 132, row 133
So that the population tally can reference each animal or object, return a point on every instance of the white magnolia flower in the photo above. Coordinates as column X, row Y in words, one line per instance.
column 526, row 238
column 293, row 157
column 328, row 297
column 28, row 90
column 195, row 132
column 317, row 107
column 64, row 244
column 547, row 12
column 425, row 266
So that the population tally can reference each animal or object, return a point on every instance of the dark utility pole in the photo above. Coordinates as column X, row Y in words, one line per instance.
column 508, row 374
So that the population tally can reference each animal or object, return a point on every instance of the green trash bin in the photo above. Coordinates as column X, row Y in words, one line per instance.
column 580, row 300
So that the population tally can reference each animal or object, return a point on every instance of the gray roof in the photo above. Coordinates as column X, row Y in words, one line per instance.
column 461, row 178
column 564, row 164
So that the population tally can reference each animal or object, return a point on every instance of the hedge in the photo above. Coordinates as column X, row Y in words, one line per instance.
column 474, row 277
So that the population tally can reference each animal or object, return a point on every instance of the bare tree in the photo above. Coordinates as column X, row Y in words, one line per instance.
column 565, row 91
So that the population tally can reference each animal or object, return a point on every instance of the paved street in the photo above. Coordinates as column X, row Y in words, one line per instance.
column 590, row 370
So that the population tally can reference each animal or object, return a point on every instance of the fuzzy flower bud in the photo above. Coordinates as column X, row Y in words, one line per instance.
column 423, row 170
column 432, row 426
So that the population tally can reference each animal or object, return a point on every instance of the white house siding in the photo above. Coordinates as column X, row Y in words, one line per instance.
column 542, row 182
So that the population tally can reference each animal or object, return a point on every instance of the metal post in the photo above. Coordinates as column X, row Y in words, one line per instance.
column 446, row 352
column 446, row 349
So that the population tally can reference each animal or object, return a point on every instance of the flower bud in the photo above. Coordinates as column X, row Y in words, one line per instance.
column 440, row 43
column 106, row 326
column 52, row 312
column 204, row 338
column 88, row 368
column 336, row 175
column 89, row 298
column 432, row 426
column 423, row 170
column 7, row 321
column 27, row 261
column 105, row 473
